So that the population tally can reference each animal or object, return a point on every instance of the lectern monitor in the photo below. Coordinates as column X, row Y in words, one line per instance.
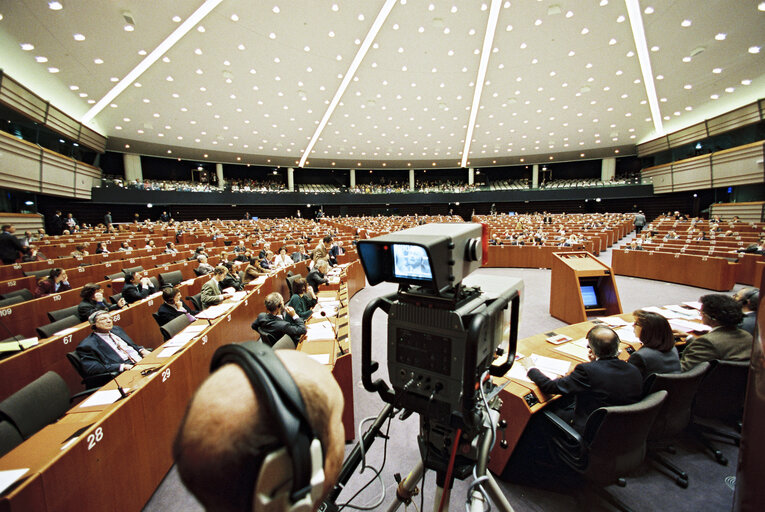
column 589, row 296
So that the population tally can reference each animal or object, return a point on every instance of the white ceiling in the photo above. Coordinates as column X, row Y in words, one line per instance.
column 252, row 81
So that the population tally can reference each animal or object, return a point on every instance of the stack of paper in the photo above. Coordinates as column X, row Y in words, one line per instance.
column 627, row 334
column 320, row 331
column 550, row 366
column 613, row 321
column 694, row 305
column 686, row 326
column 103, row 397
column 690, row 314
column 239, row 296
column 577, row 349
column 215, row 311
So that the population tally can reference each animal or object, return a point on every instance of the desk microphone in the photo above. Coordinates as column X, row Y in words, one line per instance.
column 334, row 330
column 12, row 336
column 119, row 388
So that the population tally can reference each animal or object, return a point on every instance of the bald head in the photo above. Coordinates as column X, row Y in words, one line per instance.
column 224, row 436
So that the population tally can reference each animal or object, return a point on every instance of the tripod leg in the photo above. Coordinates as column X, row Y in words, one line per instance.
column 437, row 499
column 495, row 493
column 404, row 490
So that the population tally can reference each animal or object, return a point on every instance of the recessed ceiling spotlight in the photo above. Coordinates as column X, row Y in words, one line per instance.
column 177, row 19
column 114, row 79
column 717, row 71
column 569, row 14
column 335, row 7
column 55, row 6
column 41, row 59
column 129, row 28
column 585, row 31
column 754, row 49
column 74, row 87
column 685, row 23
column 687, row 86
column 648, row 10
column 612, row 41
column 721, row 36
column 761, row 6
column 201, row 29
column 746, row 81
column 603, row 3
column 620, row 19
column 275, row 10
column 360, row 17
column 686, row 59
column 79, row 37
column 27, row 47
column 241, row 47
column 142, row 52
column 98, row 61
column 654, row 48
column 55, row 70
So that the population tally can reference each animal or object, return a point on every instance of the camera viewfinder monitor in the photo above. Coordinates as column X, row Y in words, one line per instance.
column 411, row 262
column 589, row 296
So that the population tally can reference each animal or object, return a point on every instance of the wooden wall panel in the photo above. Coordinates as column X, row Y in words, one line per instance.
column 738, row 166
column 692, row 174
column 748, row 212
column 661, row 177
column 22, row 100
column 57, row 175
column 19, row 164
column 688, row 135
column 743, row 116
column 62, row 123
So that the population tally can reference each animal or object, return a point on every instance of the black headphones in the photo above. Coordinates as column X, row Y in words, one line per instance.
column 291, row 476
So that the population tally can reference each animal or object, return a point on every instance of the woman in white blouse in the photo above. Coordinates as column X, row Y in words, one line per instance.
column 282, row 259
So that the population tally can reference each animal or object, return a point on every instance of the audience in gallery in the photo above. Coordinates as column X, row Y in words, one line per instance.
column 173, row 306
column 658, row 353
column 725, row 341
column 93, row 300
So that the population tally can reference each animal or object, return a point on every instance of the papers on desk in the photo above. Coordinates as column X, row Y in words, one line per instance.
column 259, row 280
column 320, row 331
column 690, row 314
column 9, row 477
column 627, row 334
column 187, row 281
column 66, row 331
column 177, row 342
column 666, row 313
column 320, row 358
column 695, row 305
column 215, row 311
column 550, row 366
column 679, row 324
column 613, row 321
column 518, row 372
column 576, row 349
column 557, row 339
column 16, row 346
column 239, row 296
column 103, row 397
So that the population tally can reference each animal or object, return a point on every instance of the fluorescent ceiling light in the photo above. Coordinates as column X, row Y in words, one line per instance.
column 488, row 41
column 638, row 34
column 370, row 37
column 151, row 58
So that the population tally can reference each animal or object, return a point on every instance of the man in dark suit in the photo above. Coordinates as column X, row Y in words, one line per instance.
column 137, row 287
column 279, row 320
column 749, row 298
column 725, row 341
column 108, row 348
column 317, row 276
column 10, row 246
column 108, row 219
column 173, row 306
column 602, row 382
column 57, row 224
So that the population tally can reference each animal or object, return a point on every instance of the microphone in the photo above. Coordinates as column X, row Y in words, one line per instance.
column 12, row 336
column 334, row 330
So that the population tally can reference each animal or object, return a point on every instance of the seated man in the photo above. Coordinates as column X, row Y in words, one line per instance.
column 108, row 348
column 602, row 382
column 335, row 251
column 211, row 293
column 725, row 341
column 204, row 268
column 229, row 429
column 318, row 275
column 173, row 306
column 56, row 282
column 137, row 287
column 279, row 320
column 749, row 298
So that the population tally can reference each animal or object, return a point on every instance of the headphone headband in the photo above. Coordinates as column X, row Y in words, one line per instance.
column 283, row 404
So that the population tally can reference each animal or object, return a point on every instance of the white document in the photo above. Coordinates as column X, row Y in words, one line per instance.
column 574, row 350
column 627, row 334
column 550, row 366
column 169, row 351
column 239, row 296
column 259, row 280
column 695, row 305
column 103, row 397
column 179, row 339
column 517, row 371
column 215, row 311
column 320, row 331
column 9, row 477
column 686, row 326
column 684, row 312
column 195, row 329
column 321, row 358
column 613, row 321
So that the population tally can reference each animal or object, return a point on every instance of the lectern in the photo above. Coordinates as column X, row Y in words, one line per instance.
column 582, row 286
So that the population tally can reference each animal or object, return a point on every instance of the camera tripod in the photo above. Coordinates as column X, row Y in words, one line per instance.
column 446, row 470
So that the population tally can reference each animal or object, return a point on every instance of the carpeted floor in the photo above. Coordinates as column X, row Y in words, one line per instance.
column 710, row 483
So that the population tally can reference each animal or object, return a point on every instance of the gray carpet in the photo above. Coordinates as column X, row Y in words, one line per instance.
column 647, row 489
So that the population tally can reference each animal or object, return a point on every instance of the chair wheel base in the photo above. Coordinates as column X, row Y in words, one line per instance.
column 682, row 482
column 720, row 458
column 621, row 482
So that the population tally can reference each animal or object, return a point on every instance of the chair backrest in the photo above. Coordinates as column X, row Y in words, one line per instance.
column 675, row 413
column 155, row 316
column 58, row 314
column 267, row 338
column 196, row 301
column 155, row 283
column 616, row 437
column 118, row 275
column 721, row 393
column 26, row 294
column 284, row 343
column 133, row 270
column 39, row 274
column 10, row 437
column 90, row 381
column 174, row 326
column 46, row 331
column 171, row 278
column 10, row 301
column 290, row 280
column 115, row 298
column 39, row 403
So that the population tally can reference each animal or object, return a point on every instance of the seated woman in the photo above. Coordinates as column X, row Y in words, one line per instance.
column 282, row 259
column 173, row 306
column 303, row 298
column 658, row 353
column 253, row 271
column 56, row 282
column 79, row 251
column 93, row 300
column 137, row 287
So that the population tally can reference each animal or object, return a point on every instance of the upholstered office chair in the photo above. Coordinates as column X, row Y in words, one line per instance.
column 613, row 442
column 284, row 343
column 91, row 382
column 38, row 274
column 171, row 278
column 198, row 272
column 719, row 404
column 155, row 283
column 133, row 270
column 58, row 314
column 117, row 275
column 10, row 437
column 675, row 414
column 24, row 293
column 196, row 301
column 155, row 316
column 46, row 331
column 267, row 338
column 290, row 280
column 174, row 326
column 39, row 403
column 115, row 298
column 10, row 301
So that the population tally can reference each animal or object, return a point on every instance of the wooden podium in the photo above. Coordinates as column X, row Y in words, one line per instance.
column 582, row 286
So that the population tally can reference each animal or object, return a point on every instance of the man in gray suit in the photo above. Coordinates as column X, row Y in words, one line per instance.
column 725, row 341
column 211, row 293
column 639, row 222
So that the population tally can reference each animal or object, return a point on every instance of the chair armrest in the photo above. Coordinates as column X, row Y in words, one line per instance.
column 568, row 441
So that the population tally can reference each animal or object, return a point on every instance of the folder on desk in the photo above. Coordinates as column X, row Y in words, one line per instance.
column 18, row 346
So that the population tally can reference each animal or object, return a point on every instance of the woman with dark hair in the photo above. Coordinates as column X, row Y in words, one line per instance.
column 658, row 353
column 93, row 300
column 56, row 282
column 303, row 299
